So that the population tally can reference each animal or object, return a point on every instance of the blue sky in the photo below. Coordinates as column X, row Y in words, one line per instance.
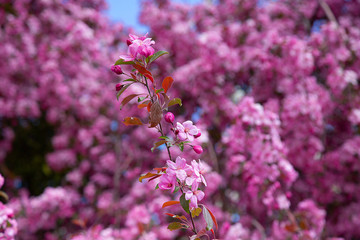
column 127, row 11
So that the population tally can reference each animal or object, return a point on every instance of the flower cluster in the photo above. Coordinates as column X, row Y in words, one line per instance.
column 139, row 47
column 180, row 175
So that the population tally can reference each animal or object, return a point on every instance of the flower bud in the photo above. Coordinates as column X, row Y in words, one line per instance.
column 118, row 87
column 128, row 42
column 198, row 135
column 198, row 149
column 116, row 69
column 169, row 117
column 176, row 132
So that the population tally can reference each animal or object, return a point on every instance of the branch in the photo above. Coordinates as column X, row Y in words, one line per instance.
column 329, row 14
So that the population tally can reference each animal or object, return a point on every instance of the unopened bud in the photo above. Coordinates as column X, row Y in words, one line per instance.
column 169, row 117
column 177, row 132
column 118, row 87
column 198, row 135
column 198, row 149
column 116, row 69
column 128, row 42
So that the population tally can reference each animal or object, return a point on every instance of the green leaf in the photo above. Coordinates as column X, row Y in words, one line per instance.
column 122, row 90
column 157, row 144
column 164, row 137
column 185, row 203
column 176, row 189
column 174, row 102
column 129, row 80
column 140, row 99
column 174, row 226
column 157, row 186
column 122, row 62
column 196, row 212
column 181, row 146
column 208, row 219
column 156, row 56
column 159, row 90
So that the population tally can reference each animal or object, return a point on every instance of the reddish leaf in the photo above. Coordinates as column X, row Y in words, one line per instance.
column 155, row 114
column 166, row 84
column 144, row 72
column 212, row 230
column 149, row 76
column 291, row 228
column 141, row 69
column 213, row 218
column 141, row 227
column 148, row 175
column 157, row 144
column 169, row 203
column 154, row 178
column 132, row 121
column 128, row 99
column 81, row 223
column 160, row 169
column 149, row 106
column 142, row 105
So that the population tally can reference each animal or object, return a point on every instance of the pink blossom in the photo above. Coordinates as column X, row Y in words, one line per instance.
column 187, row 131
column 198, row 149
column 194, row 195
column 199, row 170
column 116, row 69
column 140, row 46
column 169, row 117
column 118, row 87
column 178, row 168
column 167, row 182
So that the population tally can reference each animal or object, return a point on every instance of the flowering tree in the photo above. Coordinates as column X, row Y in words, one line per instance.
column 273, row 86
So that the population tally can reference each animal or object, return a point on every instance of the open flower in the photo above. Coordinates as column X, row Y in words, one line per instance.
column 194, row 195
column 187, row 131
column 167, row 182
column 178, row 168
column 199, row 170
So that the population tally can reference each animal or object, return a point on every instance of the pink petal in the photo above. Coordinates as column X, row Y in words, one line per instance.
column 171, row 164
column 126, row 58
column 180, row 127
column 194, row 131
column 181, row 175
column 180, row 162
column 190, row 137
column 182, row 136
column 188, row 124
column 203, row 180
column 200, row 195
column 188, row 195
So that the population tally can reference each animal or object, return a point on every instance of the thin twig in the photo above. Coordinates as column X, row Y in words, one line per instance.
column 329, row 14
